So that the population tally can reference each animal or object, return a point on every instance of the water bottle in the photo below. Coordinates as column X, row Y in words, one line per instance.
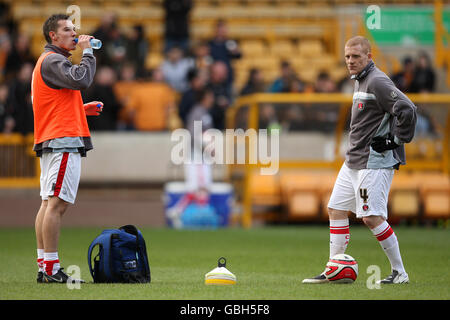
column 95, row 43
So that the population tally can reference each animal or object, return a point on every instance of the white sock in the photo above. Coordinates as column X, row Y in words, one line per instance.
column 51, row 262
column 388, row 241
column 339, row 236
column 40, row 259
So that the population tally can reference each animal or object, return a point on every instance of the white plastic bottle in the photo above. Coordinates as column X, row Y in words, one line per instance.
column 95, row 43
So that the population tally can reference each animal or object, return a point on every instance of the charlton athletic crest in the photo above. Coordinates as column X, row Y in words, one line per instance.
column 360, row 106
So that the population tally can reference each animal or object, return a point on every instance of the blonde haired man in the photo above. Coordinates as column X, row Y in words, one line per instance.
column 382, row 120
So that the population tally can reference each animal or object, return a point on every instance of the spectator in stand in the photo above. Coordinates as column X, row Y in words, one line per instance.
column 137, row 49
column 255, row 82
column 295, row 85
column 126, row 82
column 151, row 104
column 122, row 89
column 204, row 101
column 103, row 32
column 175, row 68
column 6, row 17
column 116, row 49
column 268, row 117
column 324, row 116
column 424, row 76
column 176, row 28
column 102, row 90
column 218, row 83
column 19, row 55
column 202, row 57
column 224, row 49
column 197, row 82
column 6, row 120
column 403, row 80
column 324, row 83
column 20, row 100
column 281, row 84
column 5, row 49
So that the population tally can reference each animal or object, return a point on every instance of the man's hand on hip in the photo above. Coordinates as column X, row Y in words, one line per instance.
column 381, row 144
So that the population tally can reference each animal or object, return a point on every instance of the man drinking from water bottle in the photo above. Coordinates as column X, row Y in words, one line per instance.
column 61, row 134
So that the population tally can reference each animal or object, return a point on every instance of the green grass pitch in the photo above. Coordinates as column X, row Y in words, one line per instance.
column 269, row 263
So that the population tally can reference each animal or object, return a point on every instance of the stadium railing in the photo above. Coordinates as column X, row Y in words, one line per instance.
column 302, row 187
column 19, row 167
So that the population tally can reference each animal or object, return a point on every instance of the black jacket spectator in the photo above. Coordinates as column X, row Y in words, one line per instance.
column 176, row 30
column 255, row 82
column 102, row 90
column 197, row 83
column 424, row 76
column 137, row 49
column 19, row 100
column 224, row 49
column 222, row 94
column 19, row 55
column 404, row 78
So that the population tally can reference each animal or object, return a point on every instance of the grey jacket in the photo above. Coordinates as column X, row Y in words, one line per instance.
column 58, row 72
column 379, row 109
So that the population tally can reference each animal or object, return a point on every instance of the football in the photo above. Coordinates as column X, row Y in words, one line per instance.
column 342, row 268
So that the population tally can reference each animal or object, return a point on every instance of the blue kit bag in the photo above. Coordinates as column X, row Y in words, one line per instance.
column 121, row 258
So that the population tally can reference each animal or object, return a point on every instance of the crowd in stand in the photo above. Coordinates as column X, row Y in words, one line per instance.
column 164, row 98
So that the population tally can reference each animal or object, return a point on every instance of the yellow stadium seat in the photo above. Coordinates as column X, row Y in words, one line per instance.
column 303, row 205
column 435, row 193
column 299, row 62
column 308, row 75
column 293, row 181
column 310, row 48
column 412, row 149
column 429, row 148
column 337, row 73
column 264, row 63
column 306, row 192
column 283, row 49
column 437, row 205
column 404, row 204
column 265, row 189
column 22, row 11
column 325, row 62
column 404, row 200
column 253, row 48
column 327, row 181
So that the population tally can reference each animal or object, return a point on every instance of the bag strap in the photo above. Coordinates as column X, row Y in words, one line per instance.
column 91, row 248
column 107, row 256
column 106, row 247
column 143, row 253
column 140, row 245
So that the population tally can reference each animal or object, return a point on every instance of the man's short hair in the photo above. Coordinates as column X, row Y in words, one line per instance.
column 359, row 40
column 51, row 24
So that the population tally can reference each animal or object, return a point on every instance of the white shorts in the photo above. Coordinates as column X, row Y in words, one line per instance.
column 364, row 192
column 60, row 175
